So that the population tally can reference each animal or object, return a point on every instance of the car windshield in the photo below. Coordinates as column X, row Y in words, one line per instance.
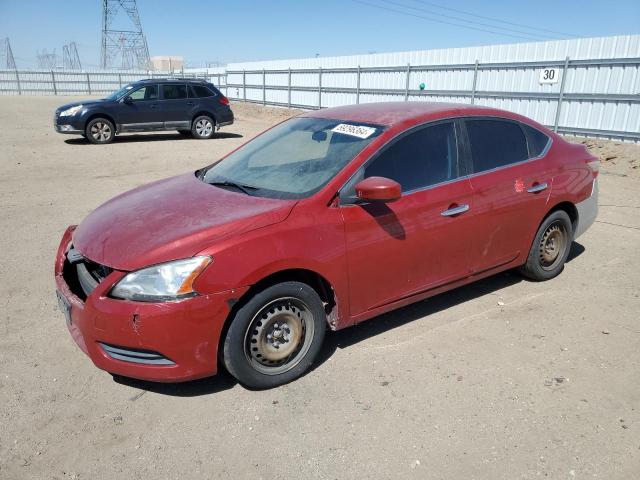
column 294, row 159
column 118, row 94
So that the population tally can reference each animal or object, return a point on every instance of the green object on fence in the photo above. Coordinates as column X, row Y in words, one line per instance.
column 422, row 86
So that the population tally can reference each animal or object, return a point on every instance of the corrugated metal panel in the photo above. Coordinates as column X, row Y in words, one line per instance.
column 581, row 48
column 504, row 84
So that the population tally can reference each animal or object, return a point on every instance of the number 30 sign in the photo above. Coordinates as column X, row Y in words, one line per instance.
column 549, row 75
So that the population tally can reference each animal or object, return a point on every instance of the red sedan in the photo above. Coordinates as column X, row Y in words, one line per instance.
column 325, row 220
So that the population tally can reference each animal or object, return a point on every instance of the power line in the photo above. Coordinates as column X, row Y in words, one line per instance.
column 493, row 19
column 474, row 22
column 441, row 21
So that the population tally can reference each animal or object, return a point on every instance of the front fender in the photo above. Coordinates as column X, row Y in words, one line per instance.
column 304, row 241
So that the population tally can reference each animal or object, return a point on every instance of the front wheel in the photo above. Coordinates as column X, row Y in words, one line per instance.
column 275, row 337
column 100, row 131
column 550, row 247
column 203, row 127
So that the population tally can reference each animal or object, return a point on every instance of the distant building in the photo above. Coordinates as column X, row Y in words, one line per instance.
column 167, row 63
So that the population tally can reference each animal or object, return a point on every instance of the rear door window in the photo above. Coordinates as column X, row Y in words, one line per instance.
column 495, row 143
column 419, row 159
column 537, row 141
column 174, row 91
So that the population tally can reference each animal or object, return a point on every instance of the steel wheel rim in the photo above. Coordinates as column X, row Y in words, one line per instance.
column 100, row 131
column 553, row 245
column 279, row 336
column 204, row 127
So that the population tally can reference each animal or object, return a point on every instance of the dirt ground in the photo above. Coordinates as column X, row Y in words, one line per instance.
column 504, row 379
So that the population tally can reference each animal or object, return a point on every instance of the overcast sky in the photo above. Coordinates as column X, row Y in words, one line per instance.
column 243, row 30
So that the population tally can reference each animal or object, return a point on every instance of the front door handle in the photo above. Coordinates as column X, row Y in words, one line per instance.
column 190, row 103
column 455, row 210
column 537, row 188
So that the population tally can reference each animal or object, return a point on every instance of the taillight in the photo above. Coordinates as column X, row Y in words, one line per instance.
column 223, row 100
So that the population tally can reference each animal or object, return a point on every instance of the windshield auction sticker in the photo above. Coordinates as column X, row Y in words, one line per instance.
column 354, row 130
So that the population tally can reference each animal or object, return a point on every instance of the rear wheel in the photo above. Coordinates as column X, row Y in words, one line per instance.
column 550, row 247
column 275, row 337
column 203, row 127
column 100, row 131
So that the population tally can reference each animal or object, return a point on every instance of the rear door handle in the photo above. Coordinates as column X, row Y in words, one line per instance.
column 455, row 210
column 190, row 103
column 537, row 188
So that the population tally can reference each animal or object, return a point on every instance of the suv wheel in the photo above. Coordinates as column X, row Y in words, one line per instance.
column 203, row 127
column 275, row 337
column 99, row 131
column 550, row 247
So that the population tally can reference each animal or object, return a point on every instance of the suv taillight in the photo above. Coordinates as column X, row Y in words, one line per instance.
column 223, row 100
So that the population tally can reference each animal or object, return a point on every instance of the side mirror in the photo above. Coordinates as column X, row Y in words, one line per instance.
column 378, row 189
column 127, row 100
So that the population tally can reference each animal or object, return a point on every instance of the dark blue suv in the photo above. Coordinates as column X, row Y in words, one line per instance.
column 193, row 107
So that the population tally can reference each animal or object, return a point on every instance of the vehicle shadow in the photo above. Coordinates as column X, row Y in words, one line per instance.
column 151, row 137
column 205, row 386
column 397, row 318
column 576, row 250
column 352, row 335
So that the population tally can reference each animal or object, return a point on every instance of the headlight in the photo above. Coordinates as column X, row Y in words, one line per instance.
column 167, row 281
column 71, row 111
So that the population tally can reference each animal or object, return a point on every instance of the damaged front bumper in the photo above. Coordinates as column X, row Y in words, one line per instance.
column 165, row 341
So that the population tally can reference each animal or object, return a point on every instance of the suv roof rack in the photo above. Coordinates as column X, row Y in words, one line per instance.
column 182, row 79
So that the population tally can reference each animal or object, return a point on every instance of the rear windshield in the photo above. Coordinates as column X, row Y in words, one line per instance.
column 294, row 159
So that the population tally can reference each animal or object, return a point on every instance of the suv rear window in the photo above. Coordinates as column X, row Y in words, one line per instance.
column 198, row 91
column 495, row 143
column 173, row 92
column 537, row 141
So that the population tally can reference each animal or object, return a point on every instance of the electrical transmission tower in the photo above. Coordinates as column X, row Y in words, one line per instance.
column 46, row 60
column 70, row 57
column 124, row 46
column 6, row 55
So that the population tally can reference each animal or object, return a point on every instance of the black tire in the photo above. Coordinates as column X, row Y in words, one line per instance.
column 550, row 247
column 288, row 315
column 100, row 131
column 203, row 127
column 186, row 133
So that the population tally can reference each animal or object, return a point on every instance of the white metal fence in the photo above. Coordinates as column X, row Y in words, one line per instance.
column 587, row 86
column 70, row 82
column 552, row 92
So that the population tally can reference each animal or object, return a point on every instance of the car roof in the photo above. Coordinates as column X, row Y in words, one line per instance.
column 393, row 113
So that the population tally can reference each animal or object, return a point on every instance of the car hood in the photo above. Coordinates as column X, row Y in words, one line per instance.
column 170, row 219
column 86, row 103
